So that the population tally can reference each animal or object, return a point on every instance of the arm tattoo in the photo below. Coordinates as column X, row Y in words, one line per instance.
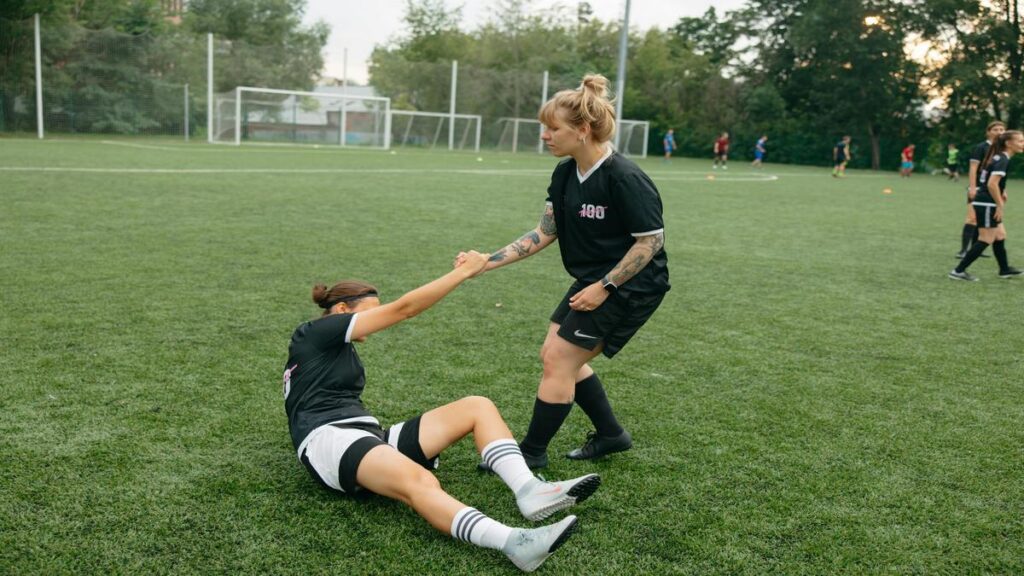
column 547, row 222
column 637, row 258
column 520, row 248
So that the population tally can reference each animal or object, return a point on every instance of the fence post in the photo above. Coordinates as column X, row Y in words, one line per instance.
column 186, row 112
column 451, row 109
column 39, row 81
column 543, row 99
column 209, row 88
column 238, row 116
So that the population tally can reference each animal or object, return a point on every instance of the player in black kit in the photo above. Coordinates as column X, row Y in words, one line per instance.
column 345, row 449
column 607, row 217
column 989, row 202
column 969, row 235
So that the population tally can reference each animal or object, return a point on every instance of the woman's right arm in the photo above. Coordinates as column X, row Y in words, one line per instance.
column 972, row 173
column 412, row 303
column 527, row 245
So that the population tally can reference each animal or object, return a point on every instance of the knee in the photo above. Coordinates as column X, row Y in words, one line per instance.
column 479, row 404
column 421, row 481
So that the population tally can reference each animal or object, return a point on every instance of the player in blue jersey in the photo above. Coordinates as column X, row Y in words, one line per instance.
column 669, row 143
column 759, row 151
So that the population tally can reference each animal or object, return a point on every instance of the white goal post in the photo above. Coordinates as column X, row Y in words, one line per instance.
column 424, row 129
column 297, row 117
column 524, row 134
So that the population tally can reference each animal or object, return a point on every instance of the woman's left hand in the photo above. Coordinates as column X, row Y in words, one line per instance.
column 588, row 299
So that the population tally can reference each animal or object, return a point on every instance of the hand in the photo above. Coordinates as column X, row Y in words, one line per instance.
column 588, row 299
column 999, row 214
column 472, row 262
column 971, row 192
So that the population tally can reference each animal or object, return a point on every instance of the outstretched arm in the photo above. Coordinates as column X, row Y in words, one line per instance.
column 638, row 256
column 418, row 300
column 527, row 245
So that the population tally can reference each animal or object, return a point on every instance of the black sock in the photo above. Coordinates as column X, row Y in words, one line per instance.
column 547, row 419
column 967, row 237
column 974, row 235
column 999, row 249
column 591, row 398
column 972, row 255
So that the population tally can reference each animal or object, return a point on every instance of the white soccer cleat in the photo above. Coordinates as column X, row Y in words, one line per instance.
column 538, row 499
column 529, row 548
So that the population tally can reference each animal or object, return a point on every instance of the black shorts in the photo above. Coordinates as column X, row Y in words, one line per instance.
column 613, row 323
column 349, row 452
column 951, row 167
column 985, row 215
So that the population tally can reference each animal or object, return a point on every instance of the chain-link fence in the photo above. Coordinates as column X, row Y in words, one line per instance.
column 108, row 82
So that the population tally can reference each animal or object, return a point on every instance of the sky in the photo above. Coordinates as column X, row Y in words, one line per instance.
column 358, row 28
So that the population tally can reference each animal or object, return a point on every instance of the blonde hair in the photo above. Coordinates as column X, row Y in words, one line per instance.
column 587, row 105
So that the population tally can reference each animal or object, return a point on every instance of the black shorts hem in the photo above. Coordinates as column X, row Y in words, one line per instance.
column 409, row 443
column 351, row 459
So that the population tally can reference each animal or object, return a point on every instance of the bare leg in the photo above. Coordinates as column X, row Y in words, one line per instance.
column 564, row 365
column 446, row 425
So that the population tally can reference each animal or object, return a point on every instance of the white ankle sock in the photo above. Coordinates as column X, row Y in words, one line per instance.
column 506, row 459
column 473, row 526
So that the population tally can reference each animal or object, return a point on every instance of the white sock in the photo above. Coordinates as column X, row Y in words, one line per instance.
column 506, row 459
column 471, row 525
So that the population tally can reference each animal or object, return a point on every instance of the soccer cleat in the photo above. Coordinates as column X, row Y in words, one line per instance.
column 529, row 548
column 532, row 461
column 539, row 499
column 1010, row 272
column 597, row 446
column 962, row 276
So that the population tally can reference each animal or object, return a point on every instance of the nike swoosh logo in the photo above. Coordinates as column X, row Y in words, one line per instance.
column 555, row 490
column 579, row 334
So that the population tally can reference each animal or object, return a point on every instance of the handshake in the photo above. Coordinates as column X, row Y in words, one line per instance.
column 473, row 263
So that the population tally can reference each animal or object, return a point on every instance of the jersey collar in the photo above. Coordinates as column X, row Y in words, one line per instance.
column 583, row 177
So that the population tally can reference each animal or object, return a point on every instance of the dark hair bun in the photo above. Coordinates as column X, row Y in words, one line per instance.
column 320, row 294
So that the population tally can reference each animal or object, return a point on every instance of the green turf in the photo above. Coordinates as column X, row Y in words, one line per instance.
column 813, row 397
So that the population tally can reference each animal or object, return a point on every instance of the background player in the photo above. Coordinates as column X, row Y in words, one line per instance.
column 907, row 161
column 969, row 234
column 952, row 169
column 759, row 151
column 721, row 149
column 344, row 448
column 989, row 203
column 669, row 143
column 840, row 156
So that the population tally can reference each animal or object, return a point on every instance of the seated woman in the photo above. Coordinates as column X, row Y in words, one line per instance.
column 345, row 449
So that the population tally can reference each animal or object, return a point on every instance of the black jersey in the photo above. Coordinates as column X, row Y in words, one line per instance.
column 323, row 377
column 840, row 151
column 979, row 151
column 599, row 219
column 997, row 165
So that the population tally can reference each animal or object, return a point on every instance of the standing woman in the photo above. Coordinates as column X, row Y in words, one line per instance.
column 840, row 156
column 969, row 234
column 607, row 216
column 344, row 448
column 989, row 203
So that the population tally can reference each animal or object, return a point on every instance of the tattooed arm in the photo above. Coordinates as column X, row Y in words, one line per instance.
column 638, row 256
column 528, row 244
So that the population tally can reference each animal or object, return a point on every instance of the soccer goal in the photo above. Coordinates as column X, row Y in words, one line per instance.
column 288, row 116
column 519, row 135
column 433, row 129
column 523, row 134
column 633, row 135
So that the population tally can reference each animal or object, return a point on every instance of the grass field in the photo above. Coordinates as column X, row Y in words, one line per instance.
column 813, row 397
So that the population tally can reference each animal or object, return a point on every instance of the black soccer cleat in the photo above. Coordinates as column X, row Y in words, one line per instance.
column 534, row 462
column 597, row 446
column 1010, row 272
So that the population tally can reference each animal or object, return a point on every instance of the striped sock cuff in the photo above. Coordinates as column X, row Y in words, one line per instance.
column 499, row 450
column 465, row 521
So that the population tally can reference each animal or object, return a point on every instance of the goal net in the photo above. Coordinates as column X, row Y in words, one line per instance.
column 435, row 130
column 286, row 116
column 523, row 135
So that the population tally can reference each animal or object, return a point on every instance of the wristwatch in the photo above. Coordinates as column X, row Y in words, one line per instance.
column 608, row 285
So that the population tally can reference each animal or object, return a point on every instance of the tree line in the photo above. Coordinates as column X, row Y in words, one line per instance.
column 804, row 72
